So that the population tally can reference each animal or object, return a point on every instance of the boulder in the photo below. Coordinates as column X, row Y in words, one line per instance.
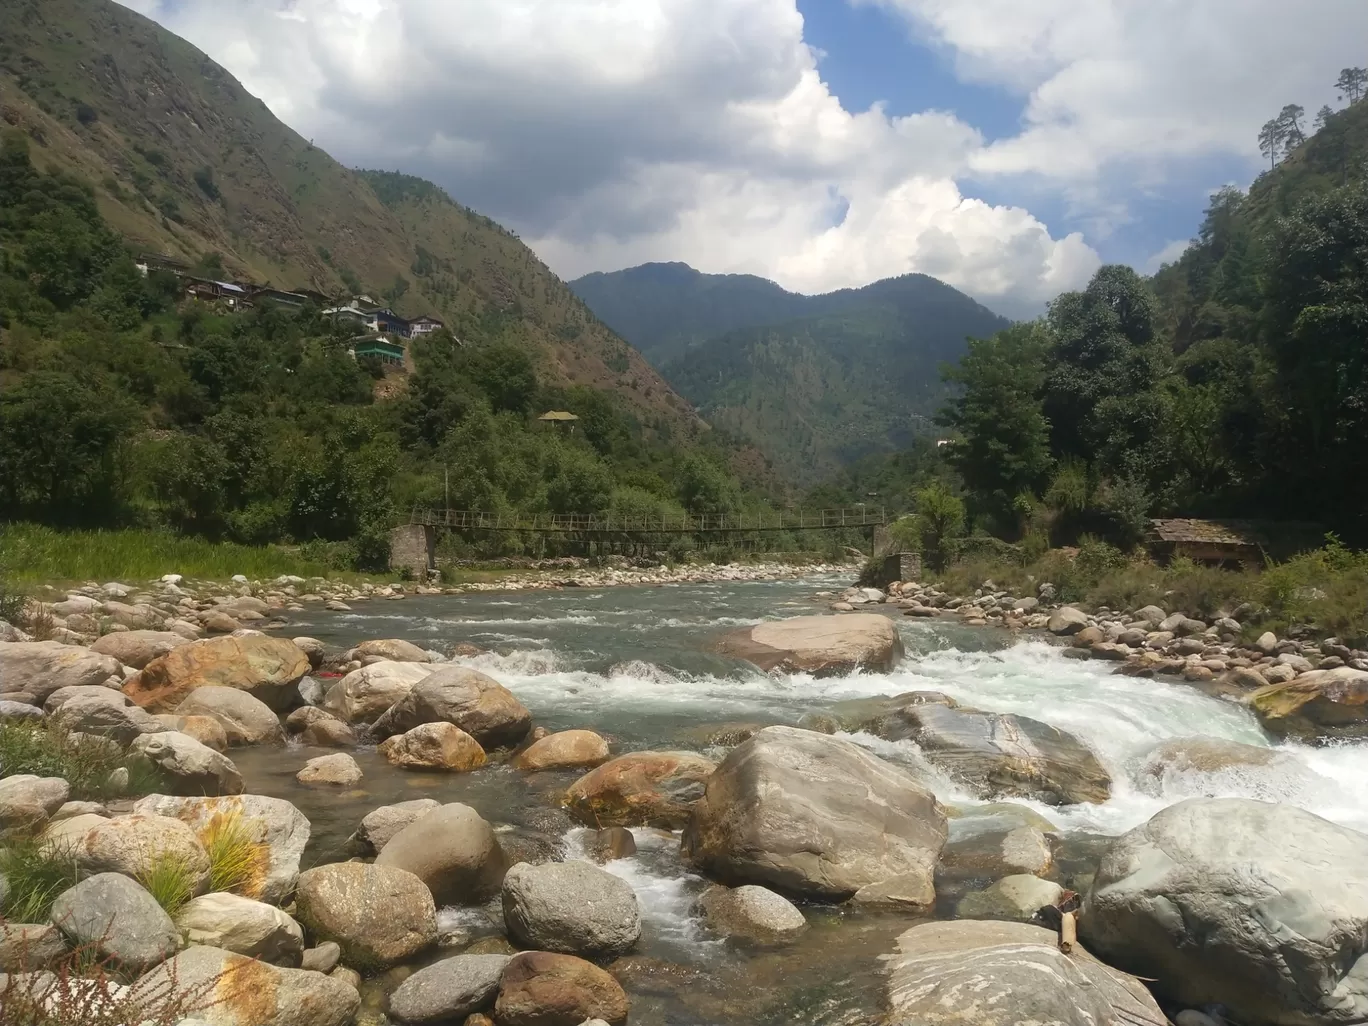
column 542, row 988
column 1259, row 907
column 566, row 749
column 379, row 915
column 479, row 705
column 756, row 914
column 186, row 766
column 380, row 825
column 323, row 958
column 448, row 990
column 998, row 852
column 313, row 648
column 608, row 844
column 245, row 720
column 26, row 947
column 14, row 712
column 38, row 668
column 1067, row 620
column 265, row 668
column 983, row 973
column 452, row 850
column 392, row 649
column 363, row 695
column 272, row 822
column 640, row 789
column 28, row 801
column 103, row 718
column 1013, row 897
column 1151, row 615
column 319, row 728
column 204, row 729
column 571, row 907
column 1322, row 703
column 339, row 768
column 137, row 648
column 1003, row 754
column 814, row 815
column 440, row 746
column 94, row 692
column 1208, row 767
column 132, row 844
column 824, row 646
column 242, row 991
column 112, row 916
column 219, row 622
column 243, row 926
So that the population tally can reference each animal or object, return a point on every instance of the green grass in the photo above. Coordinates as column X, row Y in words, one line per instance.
column 48, row 751
column 238, row 862
column 36, row 553
column 36, row 874
column 170, row 879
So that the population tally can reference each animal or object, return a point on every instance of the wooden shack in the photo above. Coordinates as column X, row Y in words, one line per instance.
column 1225, row 542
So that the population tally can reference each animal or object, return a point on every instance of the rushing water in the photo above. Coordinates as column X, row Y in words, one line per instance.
column 632, row 663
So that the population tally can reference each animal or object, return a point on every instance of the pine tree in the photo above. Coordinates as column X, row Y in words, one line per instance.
column 1352, row 84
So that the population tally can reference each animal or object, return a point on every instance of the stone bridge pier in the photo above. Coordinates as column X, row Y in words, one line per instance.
column 413, row 547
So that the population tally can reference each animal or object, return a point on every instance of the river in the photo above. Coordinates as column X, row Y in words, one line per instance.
column 632, row 664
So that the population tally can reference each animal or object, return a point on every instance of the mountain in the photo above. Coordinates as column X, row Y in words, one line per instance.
column 186, row 163
column 815, row 382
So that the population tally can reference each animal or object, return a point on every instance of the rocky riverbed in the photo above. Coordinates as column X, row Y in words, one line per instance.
column 699, row 803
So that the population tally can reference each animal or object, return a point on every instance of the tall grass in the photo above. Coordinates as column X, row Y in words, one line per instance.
column 36, row 553
column 170, row 879
column 46, row 750
column 238, row 861
column 36, row 874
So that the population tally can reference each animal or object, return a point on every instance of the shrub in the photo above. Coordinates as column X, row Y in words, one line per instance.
column 36, row 874
column 170, row 879
column 238, row 861
column 46, row 750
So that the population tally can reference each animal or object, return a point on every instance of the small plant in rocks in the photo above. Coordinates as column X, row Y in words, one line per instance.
column 170, row 879
column 35, row 873
column 238, row 862
column 46, row 750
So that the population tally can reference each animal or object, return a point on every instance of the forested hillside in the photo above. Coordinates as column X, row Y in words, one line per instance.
column 186, row 163
column 1233, row 383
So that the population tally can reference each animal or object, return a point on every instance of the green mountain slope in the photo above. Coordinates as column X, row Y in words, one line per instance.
column 819, row 392
column 185, row 162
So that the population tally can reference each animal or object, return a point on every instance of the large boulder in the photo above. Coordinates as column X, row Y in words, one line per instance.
column 138, row 648
column 640, row 789
column 363, row 695
column 245, row 720
column 571, row 907
column 454, row 851
column 379, row 915
column 38, row 668
column 756, row 914
column 111, row 916
column 95, row 714
column 449, row 990
column 133, row 844
column 235, row 990
column 542, row 988
column 379, row 826
column 242, row 925
column 438, row 746
column 274, row 823
column 1208, row 767
column 265, row 668
column 566, row 749
column 1000, row 754
column 96, row 692
column 981, row 973
column 186, row 766
column 479, row 705
column 26, row 947
column 391, row 649
column 204, row 729
column 824, row 646
column 28, row 801
column 1019, row 896
column 1259, row 907
column 320, row 728
column 1322, row 703
column 819, row 816
column 1067, row 620
column 339, row 769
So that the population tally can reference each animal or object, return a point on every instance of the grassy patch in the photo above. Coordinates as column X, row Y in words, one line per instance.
column 37, row 553
column 36, row 874
column 170, row 879
column 48, row 751
column 238, row 862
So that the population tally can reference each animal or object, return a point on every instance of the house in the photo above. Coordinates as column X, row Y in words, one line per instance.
column 235, row 296
column 423, row 325
column 386, row 350
column 556, row 418
column 1230, row 541
column 355, row 313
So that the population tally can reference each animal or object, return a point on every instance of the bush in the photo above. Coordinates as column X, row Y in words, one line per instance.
column 170, row 879
column 36, row 874
column 48, row 751
column 238, row 861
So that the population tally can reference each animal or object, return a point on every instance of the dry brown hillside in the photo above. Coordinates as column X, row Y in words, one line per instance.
column 186, row 163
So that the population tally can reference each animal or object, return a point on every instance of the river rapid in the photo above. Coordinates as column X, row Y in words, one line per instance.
column 632, row 664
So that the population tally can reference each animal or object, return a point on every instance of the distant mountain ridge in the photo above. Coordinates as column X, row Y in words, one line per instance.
column 815, row 382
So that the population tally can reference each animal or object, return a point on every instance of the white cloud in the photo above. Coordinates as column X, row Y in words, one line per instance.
column 609, row 132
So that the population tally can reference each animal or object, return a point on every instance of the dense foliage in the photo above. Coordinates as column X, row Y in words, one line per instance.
column 124, row 406
column 1233, row 383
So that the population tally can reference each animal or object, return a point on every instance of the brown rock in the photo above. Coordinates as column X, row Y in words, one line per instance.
column 640, row 789
column 266, row 668
column 442, row 746
column 219, row 622
column 1088, row 637
column 539, row 988
column 379, row 915
column 1330, row 703
column 320, row 728
column 137, row 648
column 608, row 844
column 824, row 646
column 478, row 704
column 391, row 648
column 567, row 749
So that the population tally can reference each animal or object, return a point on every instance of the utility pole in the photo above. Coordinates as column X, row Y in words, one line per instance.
column 446, row 486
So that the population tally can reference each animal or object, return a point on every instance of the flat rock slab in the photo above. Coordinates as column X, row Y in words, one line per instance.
column 824, row 646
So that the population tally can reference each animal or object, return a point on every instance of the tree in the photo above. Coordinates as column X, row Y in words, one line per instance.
column 1289, row 121
column 1323, row 117
column 1352, row 84
column 1271, row 141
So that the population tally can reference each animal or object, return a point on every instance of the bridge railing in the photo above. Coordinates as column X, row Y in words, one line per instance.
column 651, row 523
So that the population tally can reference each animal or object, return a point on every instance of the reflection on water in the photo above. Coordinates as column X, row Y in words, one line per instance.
column 633, row 664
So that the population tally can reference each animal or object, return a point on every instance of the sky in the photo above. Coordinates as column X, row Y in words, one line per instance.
column 1008, row 147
